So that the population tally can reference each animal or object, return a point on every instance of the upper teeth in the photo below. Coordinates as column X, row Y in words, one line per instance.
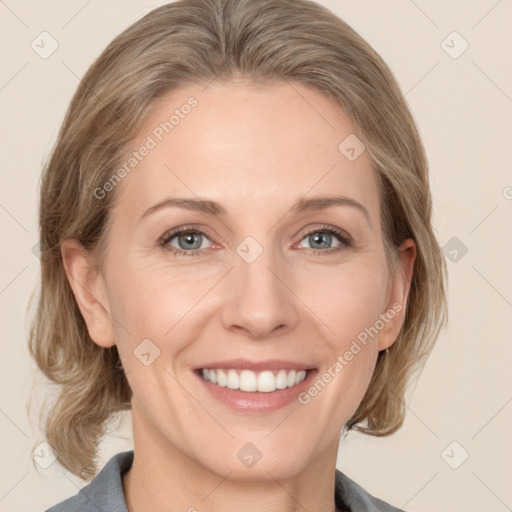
column 247, row 380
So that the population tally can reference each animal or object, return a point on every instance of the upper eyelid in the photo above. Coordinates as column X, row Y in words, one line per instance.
column 172, row 233
column 312, row 229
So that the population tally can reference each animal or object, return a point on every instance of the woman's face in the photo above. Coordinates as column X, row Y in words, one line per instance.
column 269, row 277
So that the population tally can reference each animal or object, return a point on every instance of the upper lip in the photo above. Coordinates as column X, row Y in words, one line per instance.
column 246, row 364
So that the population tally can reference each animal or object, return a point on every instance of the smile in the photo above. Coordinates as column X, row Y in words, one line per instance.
column 266, row 381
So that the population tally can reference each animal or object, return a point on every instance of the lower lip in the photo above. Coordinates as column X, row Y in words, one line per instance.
column 257, row 402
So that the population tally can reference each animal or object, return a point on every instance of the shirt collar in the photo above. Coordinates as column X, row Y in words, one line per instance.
column 106, row 489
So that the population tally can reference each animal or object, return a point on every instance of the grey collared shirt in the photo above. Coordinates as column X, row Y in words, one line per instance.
column 105, row 492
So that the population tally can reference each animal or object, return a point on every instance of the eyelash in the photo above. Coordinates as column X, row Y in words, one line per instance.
column 344, row 239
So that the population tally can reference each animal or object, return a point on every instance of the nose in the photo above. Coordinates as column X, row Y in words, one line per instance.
column 259, row 298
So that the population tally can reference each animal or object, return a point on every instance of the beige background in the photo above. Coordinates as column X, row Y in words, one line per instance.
column 463, row 108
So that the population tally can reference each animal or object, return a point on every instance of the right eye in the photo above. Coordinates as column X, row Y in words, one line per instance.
column 184, row 241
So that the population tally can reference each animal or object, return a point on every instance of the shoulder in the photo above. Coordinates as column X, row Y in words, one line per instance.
column 357, row 498
column 104, row 492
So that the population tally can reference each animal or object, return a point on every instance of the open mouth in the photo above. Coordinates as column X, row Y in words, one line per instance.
column 248, row 381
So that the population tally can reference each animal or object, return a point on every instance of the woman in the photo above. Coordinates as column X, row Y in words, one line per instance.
column 237, row 246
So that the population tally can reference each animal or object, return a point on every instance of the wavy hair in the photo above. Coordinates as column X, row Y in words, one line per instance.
column 195, row 42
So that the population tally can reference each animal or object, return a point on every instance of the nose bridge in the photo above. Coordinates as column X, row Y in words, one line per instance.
column 258, row 299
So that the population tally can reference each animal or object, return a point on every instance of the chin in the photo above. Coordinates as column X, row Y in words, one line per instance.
column 250, row 463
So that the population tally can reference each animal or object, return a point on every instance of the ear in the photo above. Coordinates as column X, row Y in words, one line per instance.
column 89, row 290
column 401, row 284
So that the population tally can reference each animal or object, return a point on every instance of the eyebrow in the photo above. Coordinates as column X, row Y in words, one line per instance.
column 215, row 209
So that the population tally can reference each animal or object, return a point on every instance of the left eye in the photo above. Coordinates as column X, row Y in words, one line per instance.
column 323, row 238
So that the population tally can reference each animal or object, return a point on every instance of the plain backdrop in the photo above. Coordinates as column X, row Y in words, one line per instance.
column 453, row 452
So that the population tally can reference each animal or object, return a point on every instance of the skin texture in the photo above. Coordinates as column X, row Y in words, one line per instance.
column 256, row 149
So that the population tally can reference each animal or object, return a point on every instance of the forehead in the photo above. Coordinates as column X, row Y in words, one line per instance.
column 247, row 146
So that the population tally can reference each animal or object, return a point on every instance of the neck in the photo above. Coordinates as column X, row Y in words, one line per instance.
column 164, row 479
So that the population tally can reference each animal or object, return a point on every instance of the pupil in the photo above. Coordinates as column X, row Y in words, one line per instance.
column 189, row 237
column 324, row 236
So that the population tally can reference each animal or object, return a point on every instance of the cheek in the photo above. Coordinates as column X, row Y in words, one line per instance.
column 347, row 299
column 148, row 297
column 150, row 301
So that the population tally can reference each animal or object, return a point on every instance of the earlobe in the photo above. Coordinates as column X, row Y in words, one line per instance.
column 396, row 307
column 89, row 290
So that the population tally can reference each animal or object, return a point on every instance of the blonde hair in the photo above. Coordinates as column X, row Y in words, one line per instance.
column 195, row 42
